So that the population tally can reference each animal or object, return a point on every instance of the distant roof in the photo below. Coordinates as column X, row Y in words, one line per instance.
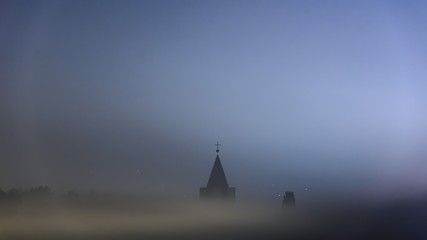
column 217, row 178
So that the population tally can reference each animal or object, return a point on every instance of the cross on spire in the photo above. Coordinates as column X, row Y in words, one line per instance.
column 217, row 146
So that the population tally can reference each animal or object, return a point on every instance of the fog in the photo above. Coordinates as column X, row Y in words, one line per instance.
column 128, row 98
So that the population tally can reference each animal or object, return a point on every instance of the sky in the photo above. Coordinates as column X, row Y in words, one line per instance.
column 318, row 97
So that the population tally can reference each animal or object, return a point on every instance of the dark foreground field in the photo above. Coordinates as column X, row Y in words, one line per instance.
column 399, row 220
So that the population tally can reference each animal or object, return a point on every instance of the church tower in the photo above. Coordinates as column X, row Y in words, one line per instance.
column 217, row 187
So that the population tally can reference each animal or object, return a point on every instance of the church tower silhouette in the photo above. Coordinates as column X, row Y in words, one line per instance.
column 217, row 187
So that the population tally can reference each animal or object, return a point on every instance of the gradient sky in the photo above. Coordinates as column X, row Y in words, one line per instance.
column 311, row 96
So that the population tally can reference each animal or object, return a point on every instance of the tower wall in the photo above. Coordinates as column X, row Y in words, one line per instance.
column 228, row 194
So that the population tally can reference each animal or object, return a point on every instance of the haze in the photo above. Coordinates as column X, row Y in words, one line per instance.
column 318, row 97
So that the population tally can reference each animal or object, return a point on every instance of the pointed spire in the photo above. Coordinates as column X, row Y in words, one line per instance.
column 217, row 187
column 217, row 178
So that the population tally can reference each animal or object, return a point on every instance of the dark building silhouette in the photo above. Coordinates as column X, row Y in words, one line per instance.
column 217, row 187
column 289, row 199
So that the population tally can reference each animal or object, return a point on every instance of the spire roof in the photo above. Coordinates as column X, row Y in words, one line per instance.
column 217, row 178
